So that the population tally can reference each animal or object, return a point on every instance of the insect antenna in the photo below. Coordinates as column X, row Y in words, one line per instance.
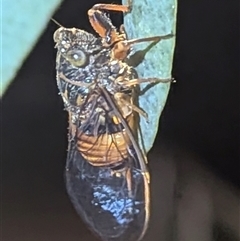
column 56, row 22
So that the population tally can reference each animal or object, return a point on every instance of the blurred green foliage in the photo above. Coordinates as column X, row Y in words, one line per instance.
column 22, row 22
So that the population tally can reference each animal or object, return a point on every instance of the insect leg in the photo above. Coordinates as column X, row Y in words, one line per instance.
column 122, row 47
column 123, row 32
column 148, row 39
column 122, row 100
column 113, row 7
column 141, row 157
column 102, row 24
column 147, row 80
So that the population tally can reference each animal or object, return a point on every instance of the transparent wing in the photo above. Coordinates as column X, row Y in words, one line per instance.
column 103, row 199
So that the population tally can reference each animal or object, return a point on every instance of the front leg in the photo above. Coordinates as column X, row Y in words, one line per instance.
column 139, row 81
column 103, row 24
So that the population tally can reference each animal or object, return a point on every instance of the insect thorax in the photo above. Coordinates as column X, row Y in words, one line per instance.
column 85, row 65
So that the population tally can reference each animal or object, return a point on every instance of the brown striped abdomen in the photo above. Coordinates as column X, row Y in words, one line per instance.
column 104, row 149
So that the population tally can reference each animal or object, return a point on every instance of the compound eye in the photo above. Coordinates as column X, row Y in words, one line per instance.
column 76, row 57
column 56, row 35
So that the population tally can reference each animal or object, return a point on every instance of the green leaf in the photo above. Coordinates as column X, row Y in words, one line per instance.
column 22, row 22
column 153, row 18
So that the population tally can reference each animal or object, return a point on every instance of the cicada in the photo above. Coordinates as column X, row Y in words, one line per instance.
column 106, row 172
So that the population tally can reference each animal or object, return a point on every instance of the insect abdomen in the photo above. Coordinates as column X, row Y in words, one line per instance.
column 103, row 149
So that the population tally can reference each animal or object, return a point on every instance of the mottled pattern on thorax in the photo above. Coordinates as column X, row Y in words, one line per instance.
column 99, row 69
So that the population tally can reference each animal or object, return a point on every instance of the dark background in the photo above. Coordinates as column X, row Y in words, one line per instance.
column 201, row 116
